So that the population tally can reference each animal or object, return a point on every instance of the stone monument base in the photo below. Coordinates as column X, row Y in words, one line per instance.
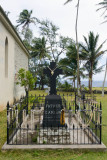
column 54, row 136
column 52, row 111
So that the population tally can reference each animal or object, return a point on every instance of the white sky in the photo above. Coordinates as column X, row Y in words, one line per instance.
column 64, row 17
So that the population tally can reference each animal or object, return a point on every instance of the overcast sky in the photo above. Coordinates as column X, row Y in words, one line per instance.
column 64, row 17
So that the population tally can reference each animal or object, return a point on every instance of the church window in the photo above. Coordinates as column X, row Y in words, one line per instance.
column 6, row 57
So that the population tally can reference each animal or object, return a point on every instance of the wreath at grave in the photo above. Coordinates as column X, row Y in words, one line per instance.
column 62, row 117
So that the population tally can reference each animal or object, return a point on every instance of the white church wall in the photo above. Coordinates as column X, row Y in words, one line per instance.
column 6, row 83
column 21, row 61
column 17, row 59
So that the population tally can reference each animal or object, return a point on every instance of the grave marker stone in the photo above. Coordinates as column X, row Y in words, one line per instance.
column 53, row 102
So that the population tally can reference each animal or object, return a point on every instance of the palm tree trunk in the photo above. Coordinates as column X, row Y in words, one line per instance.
column 74, row 83
column 35, row 85
column 91, row 78
column 89, row 84
column 77, row 46
column 42, row 84
column 39, row 85
column 104, row 80
column 80, row 83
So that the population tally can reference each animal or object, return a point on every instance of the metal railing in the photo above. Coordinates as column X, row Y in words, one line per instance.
column 83, row 122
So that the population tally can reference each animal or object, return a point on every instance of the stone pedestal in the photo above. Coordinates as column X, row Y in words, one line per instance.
column 54, row 136
column 52, row 111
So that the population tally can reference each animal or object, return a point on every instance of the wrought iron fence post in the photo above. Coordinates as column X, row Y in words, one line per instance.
column 7, row 122
column 75, row 103
column 100, row 123
column 27, row 102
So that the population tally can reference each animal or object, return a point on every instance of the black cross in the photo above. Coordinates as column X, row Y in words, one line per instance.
column 52, row 72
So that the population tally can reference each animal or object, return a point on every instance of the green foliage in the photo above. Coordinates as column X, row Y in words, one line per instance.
column 39, row 49
column 25, row 18
column 44, row 142
column 31, row 99
column 34, row 139
column 25, row 79
column 56, row 43
column 28, row 36
column 37, row 69
column 103, row 6
column 69, row 63
column 91, row 54
column 64, row 87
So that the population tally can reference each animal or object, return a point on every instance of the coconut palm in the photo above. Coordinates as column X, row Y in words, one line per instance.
column 77, row 45
column 39, row 49
column 69, row 63
column 92, row 53
column 25, row 18
column 39, row 55
column 103, row 5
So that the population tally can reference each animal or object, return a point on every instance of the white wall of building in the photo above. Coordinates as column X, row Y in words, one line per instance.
column 17, row 58
column 21, row 61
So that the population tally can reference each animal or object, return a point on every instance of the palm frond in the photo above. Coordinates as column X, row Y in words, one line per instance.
column 67, row 2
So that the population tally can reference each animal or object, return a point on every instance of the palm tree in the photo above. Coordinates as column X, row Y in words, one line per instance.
column 67, row 86
column 69, row 63
column 77, row 45
column 92, row 53
column 39, row 49
column 39, row 55
column 25, row 18
column 103, row 5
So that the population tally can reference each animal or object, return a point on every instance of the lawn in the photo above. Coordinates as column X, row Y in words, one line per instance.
column 65, row 154
column 99, row 88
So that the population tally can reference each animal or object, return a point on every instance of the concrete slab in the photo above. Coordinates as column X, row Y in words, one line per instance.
column 98, row 147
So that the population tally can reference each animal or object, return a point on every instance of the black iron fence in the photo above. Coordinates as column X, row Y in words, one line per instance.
column 82, row 120
column 91, row 113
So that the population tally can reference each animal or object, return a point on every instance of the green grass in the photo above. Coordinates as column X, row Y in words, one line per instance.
column 64, row 154
column 99, row 88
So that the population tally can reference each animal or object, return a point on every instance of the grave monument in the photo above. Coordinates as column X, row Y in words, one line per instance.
column 53, row 102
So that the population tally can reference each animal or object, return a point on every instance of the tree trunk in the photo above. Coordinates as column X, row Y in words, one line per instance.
column 77, row 46
column 104, row 80
column 39, row 85
column 80, row 83
column 42, row 84
column 91, row 78
column 74, row 83
column 89, row 83
column 35, row 85
column 42, row 88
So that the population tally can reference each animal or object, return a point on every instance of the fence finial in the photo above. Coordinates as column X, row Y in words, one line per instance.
column 100, row 106
column 8, row 105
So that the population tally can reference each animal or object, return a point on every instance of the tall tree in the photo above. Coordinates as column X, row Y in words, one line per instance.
column 28, row 37
column 39, row 56
column 104, row 80
column 39, row 49
column 77, row 45
column 103, row 6
column 92, row 53
column 25, row 18
column 69, row 63
column 55, row 43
